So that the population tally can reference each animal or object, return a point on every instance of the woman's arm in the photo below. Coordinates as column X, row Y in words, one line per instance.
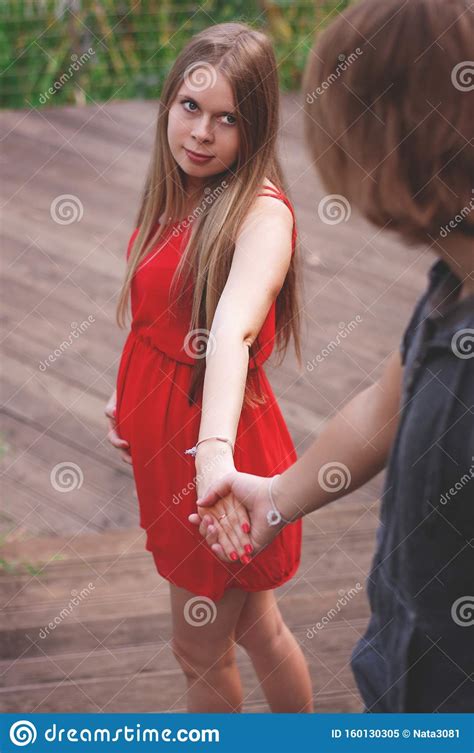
column 259, row 266
column 260, row 263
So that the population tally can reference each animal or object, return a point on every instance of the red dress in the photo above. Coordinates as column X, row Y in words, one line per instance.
column 154, row 416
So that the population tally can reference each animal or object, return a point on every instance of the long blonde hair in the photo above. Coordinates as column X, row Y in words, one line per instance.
column 245, row 57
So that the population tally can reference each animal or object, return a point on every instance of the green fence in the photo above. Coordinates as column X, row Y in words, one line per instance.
column 80, row 51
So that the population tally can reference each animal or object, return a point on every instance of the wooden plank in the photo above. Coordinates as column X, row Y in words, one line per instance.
column 144, row 694
column 27, row 444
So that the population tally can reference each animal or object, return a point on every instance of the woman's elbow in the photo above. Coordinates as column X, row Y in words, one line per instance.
column 226, row 339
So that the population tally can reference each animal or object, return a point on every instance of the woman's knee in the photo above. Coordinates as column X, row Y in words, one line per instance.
column 259, row 633
column 197, row 659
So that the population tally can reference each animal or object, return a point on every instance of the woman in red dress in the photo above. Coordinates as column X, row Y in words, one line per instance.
column 211, row 276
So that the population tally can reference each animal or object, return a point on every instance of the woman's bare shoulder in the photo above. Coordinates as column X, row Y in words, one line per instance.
column 267, row 183
column 270, row 206
column 267, row 213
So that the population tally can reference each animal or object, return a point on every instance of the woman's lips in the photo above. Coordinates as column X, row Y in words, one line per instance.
column 197, row 158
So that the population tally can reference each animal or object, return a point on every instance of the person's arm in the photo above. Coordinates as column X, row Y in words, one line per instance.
column 351, row 449
column 259, row 266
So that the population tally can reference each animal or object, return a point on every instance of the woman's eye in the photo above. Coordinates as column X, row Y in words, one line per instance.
column 191, row 106
column 190, row 103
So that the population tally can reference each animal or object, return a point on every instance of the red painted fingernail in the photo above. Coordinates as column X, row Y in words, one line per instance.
column 245, row 527
column 248, row 548
column 245, row 559
column 234, row 556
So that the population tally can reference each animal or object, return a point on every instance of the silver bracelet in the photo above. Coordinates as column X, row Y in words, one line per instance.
column 192, row 450
column 274, row 516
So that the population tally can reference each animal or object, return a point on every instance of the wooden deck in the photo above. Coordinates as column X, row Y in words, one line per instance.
column 112, row 652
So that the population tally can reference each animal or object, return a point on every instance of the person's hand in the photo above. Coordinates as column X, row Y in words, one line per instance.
column 251, row 492
column 227, row 515
column 114, row 439
column 229, row 524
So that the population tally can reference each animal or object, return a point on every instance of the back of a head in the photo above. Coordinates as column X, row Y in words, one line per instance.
column 389, row 112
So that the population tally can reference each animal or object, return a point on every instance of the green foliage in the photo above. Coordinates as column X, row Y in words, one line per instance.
column 57, row 52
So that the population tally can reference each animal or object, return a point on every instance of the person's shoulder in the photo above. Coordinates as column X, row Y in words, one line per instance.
column 268, row 185
column 271, row 203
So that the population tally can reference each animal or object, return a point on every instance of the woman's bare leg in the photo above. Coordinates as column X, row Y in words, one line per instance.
column 275, row 653
column 205, row 649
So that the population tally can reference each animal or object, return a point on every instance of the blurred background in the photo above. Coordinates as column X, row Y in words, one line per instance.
column 134, row 43
column 85, row 623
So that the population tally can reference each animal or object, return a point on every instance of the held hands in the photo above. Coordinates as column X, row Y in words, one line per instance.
column 112, row 436
column 228, row 522
column 228, row 515
column 247, row 492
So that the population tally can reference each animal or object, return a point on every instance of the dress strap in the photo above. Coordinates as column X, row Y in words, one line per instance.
column 275, row 194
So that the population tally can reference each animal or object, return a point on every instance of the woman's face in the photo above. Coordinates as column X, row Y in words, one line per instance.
column 202, row 121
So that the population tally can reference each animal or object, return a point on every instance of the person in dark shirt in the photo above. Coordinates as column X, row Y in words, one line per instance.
column 392, row 133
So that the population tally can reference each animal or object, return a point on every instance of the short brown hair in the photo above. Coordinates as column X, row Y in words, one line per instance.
column 389, row 112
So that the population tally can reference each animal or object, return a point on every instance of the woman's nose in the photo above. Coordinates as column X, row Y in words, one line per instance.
column 202, row 130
